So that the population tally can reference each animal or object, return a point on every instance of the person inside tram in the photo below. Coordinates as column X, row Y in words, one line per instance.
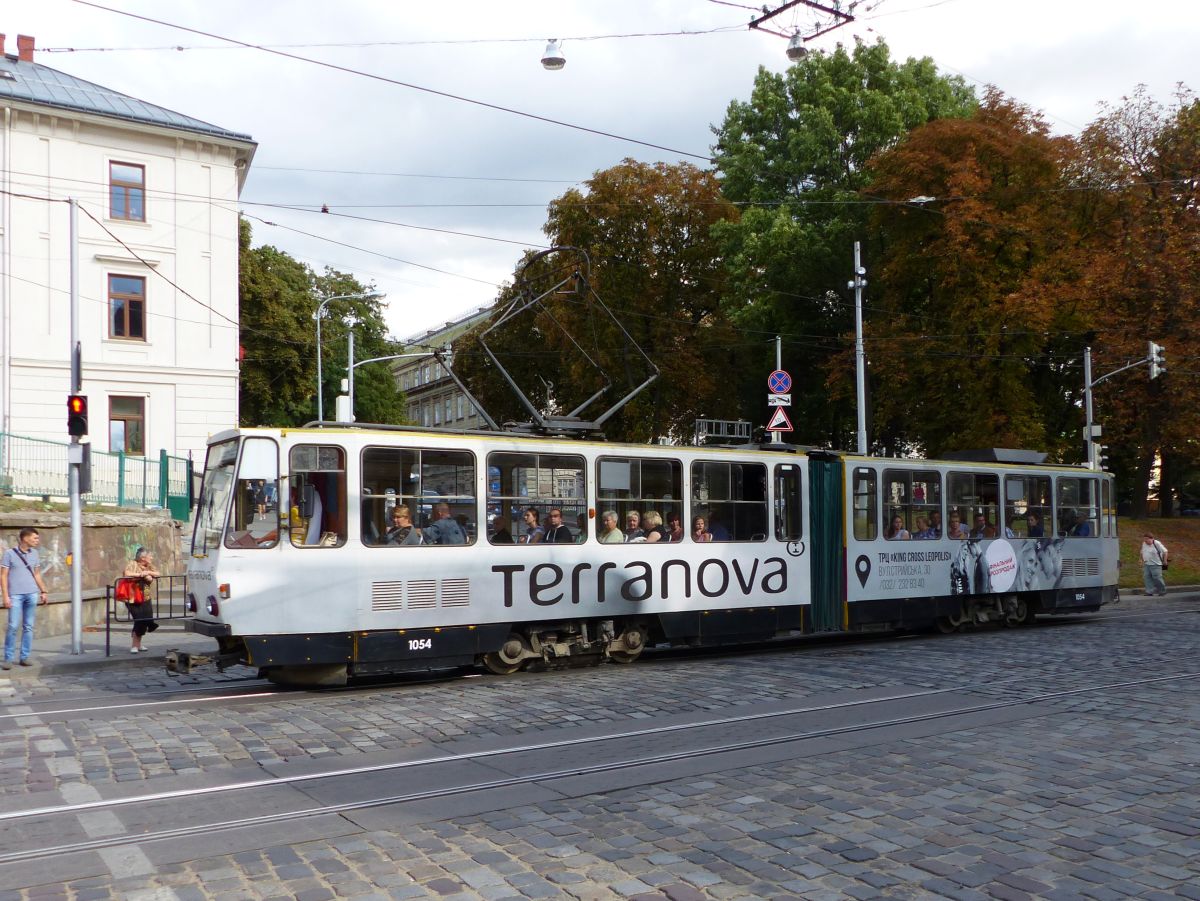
column 609, row 532
column 982, row 529
column 935, row 524
column 633, row 526
column 402, row 531
column 444, row 529
column 956, row 529
column 500, row 532
column 699, row 532
column 895, row 530
column 1034, row 520
column 716, row 528
column 1082, row 528
column 674, row 526
column 581, row 528
column 556, row 530
column 922, row 531
column 534, row 533
column 654, row 528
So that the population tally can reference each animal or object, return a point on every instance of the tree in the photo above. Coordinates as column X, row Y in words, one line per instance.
column 970, row 341
column 278, row 296
column 647, row 232
column 795, row 156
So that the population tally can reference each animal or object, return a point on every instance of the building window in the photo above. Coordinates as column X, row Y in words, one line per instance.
column 461, row 413
column 127, row 425
column 127, row 306
column 449, row 414
column 127, row 192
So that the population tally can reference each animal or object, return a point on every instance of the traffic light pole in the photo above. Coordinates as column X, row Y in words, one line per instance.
column 75, row 451
column 1155, row 359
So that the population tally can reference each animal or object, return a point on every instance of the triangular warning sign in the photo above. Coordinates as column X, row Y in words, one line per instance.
column 779, row 422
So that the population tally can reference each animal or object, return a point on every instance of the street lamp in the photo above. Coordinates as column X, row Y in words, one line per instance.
column 367, row 295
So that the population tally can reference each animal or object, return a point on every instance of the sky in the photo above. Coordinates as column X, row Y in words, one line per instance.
column 458, row 190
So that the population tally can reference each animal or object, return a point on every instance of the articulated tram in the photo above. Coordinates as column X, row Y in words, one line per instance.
column 294, row 568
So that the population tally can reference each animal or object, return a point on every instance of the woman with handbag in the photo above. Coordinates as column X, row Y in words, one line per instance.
column 139, row 575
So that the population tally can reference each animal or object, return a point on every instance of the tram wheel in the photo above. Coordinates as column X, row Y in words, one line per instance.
column 634, row 640
column 1021, row 615
column 948, row 625
column 508, row 659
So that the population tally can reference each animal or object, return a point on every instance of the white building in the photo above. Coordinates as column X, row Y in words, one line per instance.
column 158, row 262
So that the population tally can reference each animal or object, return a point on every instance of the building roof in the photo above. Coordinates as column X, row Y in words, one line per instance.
column 34, row 83
column 436, row 337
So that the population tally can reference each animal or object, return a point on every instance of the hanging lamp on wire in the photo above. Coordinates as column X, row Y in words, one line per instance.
column 796, row 50
column 553, row 58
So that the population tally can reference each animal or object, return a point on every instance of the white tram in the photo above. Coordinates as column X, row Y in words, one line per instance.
column 292, row 572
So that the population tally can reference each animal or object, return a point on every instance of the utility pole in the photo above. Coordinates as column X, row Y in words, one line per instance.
column 1156, row 359
column 75, row 451
column 860, row 355
column 350, row 363
column 776, row 438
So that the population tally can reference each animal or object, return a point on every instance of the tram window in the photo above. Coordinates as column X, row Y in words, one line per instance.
column 1027, row 506
column 732, row 498
column 543, row 482
column 421, row 479
column 788, row 502
column 317, row 495
column 213, row 505
column 633, row 488
column 866, row 515
column 1078, row 514
column 975, row 498
column 255, row 519
column 916, row 497
column 1109, row 516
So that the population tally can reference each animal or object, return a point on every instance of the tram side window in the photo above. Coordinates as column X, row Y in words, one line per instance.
column 914, row 497
column 1078, row 513
column 866, row 516
column 643, row 490
column 538, row 482
column 317, row 494
column 427, row 482
column 732, row 499
column 789, row 525
column 1109, row 514
column 974, row 501
column 254, row 522
column 1027, row 506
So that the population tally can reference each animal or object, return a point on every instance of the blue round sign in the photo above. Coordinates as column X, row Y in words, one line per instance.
column 779, row 382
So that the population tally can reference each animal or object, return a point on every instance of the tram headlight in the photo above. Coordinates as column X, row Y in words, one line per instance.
column 211, row 607
column 191, row 603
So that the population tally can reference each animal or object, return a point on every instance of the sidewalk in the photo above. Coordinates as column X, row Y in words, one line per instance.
column 52, row 654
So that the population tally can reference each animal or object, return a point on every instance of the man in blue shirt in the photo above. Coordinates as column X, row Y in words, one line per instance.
column 443, row 529
column 23, row 589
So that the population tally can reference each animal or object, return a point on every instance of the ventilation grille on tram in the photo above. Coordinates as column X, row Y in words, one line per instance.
column 419, row 594
column 1080, row 567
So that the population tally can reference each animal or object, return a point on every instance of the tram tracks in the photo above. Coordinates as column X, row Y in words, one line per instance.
column 503, row 768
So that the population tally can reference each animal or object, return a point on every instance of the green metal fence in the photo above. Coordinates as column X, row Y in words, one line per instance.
column 36, row 467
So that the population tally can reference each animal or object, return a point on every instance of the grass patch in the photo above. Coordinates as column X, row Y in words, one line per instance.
column 1182, row 538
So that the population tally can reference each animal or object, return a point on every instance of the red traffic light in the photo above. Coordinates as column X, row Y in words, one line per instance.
column 77, row 415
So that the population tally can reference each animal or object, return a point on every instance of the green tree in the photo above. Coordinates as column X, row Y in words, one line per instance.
column 795, row 157
column 278, row 296
column 647, row 232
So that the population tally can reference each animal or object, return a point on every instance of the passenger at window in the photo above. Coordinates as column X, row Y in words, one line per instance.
column 956, row 529
column 610, row 534
column 715, row 527
column 633, row 526
column 1036, row 530
column 581, row 528
column 534, row 533
column 1083, row 528
column 896, row 531
column 674, row 527
column 982, row 529
column 922, row 530
column 655, row 531
column 444, row 529
column 935, row 523
column 402, row 531
column 500, row 533
column 556, row 530
column 699, row 532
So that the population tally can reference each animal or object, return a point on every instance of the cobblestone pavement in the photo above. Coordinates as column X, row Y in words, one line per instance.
column 1102, row 801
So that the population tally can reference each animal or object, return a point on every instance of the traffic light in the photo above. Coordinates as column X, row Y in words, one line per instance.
column 1157, row 355
column 1102, row 457
column 85, row 469
column 77, row 425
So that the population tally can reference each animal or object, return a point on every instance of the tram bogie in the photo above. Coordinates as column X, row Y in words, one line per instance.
column 295, row 571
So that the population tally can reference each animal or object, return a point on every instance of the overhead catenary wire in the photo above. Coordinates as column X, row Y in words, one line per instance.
column 395, row 81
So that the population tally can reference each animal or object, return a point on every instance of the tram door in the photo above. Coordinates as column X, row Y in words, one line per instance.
column 826, row 539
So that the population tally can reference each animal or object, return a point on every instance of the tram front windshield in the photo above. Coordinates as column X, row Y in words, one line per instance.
column 215, row 492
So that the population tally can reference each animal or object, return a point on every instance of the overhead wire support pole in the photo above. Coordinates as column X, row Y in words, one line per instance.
column 860, row 354
column 75, row 451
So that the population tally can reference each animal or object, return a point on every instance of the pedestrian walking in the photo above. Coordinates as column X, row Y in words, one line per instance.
column 1154, row 562
column 23, row 590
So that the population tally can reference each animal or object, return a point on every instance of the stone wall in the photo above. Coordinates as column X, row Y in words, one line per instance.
column 109, row 542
